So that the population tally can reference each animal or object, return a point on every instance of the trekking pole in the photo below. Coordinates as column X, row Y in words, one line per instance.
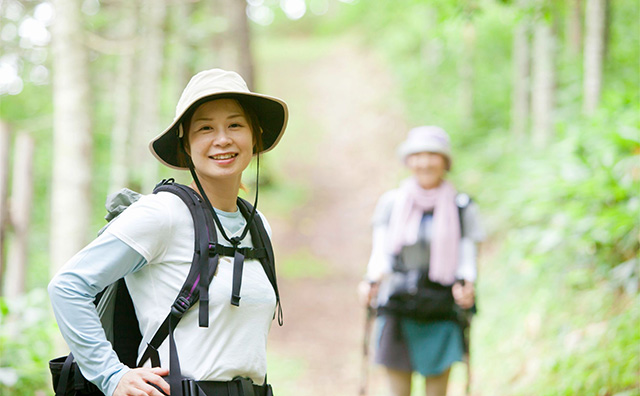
column 468, row 318
column 465, row 317
column 468, row 359
column 364, row 374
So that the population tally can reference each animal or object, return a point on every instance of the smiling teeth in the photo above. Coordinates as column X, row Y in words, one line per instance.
column 224, row 156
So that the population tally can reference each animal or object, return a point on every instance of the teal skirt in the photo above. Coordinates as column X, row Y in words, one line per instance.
column 428, row 348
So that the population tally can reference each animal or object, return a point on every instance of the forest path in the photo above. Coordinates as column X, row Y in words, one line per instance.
column 340, row 146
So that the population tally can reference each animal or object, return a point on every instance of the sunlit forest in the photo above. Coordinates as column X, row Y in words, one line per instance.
column 541, row 99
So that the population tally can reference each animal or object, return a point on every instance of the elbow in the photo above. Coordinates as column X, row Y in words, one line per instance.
column 55, row 289
column 53, row 286
column 63, row 286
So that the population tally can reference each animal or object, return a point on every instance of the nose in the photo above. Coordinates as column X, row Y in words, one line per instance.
column 221, row 138
column 424, row 161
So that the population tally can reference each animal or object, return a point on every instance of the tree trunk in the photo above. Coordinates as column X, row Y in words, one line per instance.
column 149, row 78
column 574, row 29
column 235, row 51
column 543, row 80
column 521, row 77
column 5, row 141
column 21, row 203
column 593, row 54
column 179, row 62
column 120, row 133
column 72, row 139
column 467, row 73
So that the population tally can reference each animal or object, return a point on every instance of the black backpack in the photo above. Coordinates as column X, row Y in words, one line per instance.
column 124, row 332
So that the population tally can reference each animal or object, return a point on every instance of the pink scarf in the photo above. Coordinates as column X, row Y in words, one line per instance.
column 406, row 215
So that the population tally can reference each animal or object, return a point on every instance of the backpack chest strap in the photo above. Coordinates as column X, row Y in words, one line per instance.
column 228, row 251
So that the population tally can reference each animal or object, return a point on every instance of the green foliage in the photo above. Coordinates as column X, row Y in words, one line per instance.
column 25, row 344
column 607, row 351
column 565, row 220
column 575, row 202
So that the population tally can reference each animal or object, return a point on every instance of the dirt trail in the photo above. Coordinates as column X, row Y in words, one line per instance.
column 349, row 100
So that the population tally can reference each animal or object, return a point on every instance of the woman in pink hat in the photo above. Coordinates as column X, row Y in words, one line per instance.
column 422, row 268
column 219, row 344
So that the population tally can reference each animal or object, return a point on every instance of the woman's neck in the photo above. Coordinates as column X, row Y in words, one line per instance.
column 429, row 185
column 222, row 194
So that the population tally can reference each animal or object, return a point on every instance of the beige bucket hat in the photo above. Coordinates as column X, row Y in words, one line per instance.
column 219, row 84
column 428, row 138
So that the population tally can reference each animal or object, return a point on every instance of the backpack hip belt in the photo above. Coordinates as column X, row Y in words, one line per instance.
column 239, row 386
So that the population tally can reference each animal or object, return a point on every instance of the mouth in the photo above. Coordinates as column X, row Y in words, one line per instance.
column 225, row 156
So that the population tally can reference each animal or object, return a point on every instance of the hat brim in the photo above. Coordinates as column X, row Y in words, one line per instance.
column 271, row 112
column 408, row 148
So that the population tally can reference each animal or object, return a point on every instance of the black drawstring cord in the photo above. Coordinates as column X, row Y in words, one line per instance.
column 235, row 241
column 238, row 257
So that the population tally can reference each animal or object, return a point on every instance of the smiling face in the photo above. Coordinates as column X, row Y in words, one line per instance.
column 427, row 168
column 220, row 140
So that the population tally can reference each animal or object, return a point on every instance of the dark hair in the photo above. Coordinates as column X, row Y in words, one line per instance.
column 250, row 114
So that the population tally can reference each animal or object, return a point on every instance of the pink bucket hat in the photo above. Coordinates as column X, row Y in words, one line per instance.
column 219, row 84
column 430, row 139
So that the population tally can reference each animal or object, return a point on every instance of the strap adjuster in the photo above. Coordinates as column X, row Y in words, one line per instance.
column 180, row 306
column 246, row 385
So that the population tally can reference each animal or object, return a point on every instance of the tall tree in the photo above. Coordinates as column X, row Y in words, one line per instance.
column 21, row 203
column 521, row 72
column 126, row 28
column 5, row 138
column 179, row 65
column 543, row 79
column 149, row 77
column 236, row 40
column 594, row 47
column 574, row 27
column 72, row 139
column 466, row 67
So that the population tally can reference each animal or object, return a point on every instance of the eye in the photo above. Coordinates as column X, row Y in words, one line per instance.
column 235, row 125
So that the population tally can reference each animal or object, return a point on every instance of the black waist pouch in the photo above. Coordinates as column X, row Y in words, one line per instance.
column 411, row 294
column 68, row 380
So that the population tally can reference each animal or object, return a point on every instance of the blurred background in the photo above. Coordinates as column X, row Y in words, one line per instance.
column 541, row 99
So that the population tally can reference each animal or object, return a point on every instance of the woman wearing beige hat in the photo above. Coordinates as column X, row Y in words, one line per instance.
column 422, row 267
column 218, row 128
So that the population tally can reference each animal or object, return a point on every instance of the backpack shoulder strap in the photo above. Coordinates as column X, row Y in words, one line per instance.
column 261, row 240
column 462, row 202
column 196, row 284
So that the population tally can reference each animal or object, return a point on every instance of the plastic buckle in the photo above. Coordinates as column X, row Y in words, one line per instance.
column 246, row 386
column 165, row 182
column 189, row 387
column 213, row 249
column 180, row 306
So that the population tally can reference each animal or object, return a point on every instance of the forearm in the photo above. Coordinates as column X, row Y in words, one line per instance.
column 467, row 261
column 72, row 292
column 380, row 259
